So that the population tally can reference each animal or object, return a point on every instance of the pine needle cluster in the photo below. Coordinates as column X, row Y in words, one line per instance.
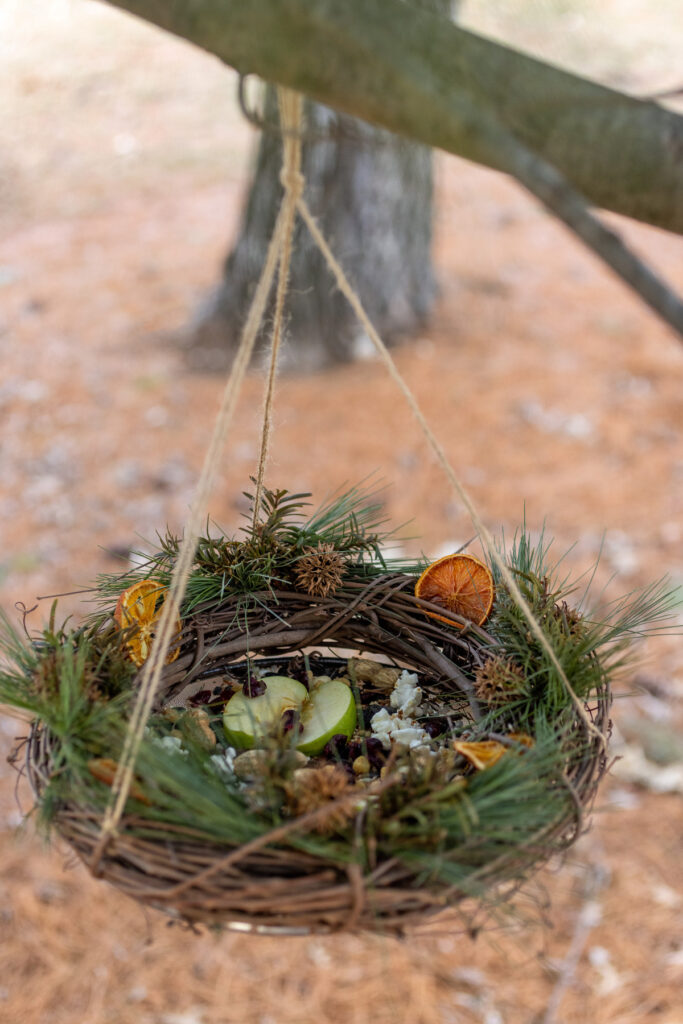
column 591, row 642
column 283, row 547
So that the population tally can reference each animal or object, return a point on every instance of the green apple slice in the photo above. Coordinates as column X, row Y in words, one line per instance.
column 329, row 710
column 246, row 720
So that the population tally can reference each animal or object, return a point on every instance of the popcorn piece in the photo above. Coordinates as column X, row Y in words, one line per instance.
column 403, row 731
column 225, row 764
column 409, row 736
column 381, row 725
column 406, row 695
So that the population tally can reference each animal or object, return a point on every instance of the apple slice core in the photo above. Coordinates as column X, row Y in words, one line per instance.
column 329, row 711
column 246, row 720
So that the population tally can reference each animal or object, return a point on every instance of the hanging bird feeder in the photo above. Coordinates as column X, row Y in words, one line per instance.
column 286, row 732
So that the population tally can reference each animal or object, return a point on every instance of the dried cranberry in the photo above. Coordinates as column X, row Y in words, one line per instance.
column 253, row 686
column 296, row 669
column 201, row 697
column 297, row 666
column 337, row 748
column 434, row 726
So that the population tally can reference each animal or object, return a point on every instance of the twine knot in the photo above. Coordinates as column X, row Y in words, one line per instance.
column 292, row 181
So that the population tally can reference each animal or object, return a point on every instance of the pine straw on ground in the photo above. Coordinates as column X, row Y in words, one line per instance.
column 114, row 963
column 529, row 333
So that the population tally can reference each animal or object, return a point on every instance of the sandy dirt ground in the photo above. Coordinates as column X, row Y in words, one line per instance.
column 123, row 162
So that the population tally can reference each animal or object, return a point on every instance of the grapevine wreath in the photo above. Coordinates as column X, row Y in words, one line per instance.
column 338, row 740
column 287, row 731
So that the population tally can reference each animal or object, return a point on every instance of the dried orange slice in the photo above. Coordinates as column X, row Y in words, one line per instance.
column 104, row 770
column 460, row 584
column 481, row 754
column 485, row 753
column 523, row 739
column 141, row 606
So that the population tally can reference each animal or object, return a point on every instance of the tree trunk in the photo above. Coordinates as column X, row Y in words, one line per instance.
column 371, row 192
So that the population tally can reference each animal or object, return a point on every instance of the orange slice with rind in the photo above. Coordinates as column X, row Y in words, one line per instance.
column 140, row 606
column 461, row 584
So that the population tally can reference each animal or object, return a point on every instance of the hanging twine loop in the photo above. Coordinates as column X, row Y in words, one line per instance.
column 291, row 121
column 279, row 252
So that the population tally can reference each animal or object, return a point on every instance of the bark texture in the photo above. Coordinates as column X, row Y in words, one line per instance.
column 371, row 192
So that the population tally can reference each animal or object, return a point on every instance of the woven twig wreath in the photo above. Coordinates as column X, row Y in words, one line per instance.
column 387, row 876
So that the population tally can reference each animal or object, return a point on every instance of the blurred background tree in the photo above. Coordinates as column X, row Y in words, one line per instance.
column 572, row 143
column 371, row 191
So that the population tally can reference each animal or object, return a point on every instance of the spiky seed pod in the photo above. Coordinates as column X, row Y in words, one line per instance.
column 314, row 788
column 499, row 680
column 571, row 619
column 45, row 681
column 320, row 571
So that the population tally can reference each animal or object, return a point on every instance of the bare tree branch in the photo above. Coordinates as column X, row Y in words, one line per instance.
column 567, row 140
column 568, row 205
column 399, row 66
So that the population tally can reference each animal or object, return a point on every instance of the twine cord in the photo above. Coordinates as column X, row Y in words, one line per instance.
column 279, row 252
column 291, row 121
column 151, row 673
column 351, row 295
